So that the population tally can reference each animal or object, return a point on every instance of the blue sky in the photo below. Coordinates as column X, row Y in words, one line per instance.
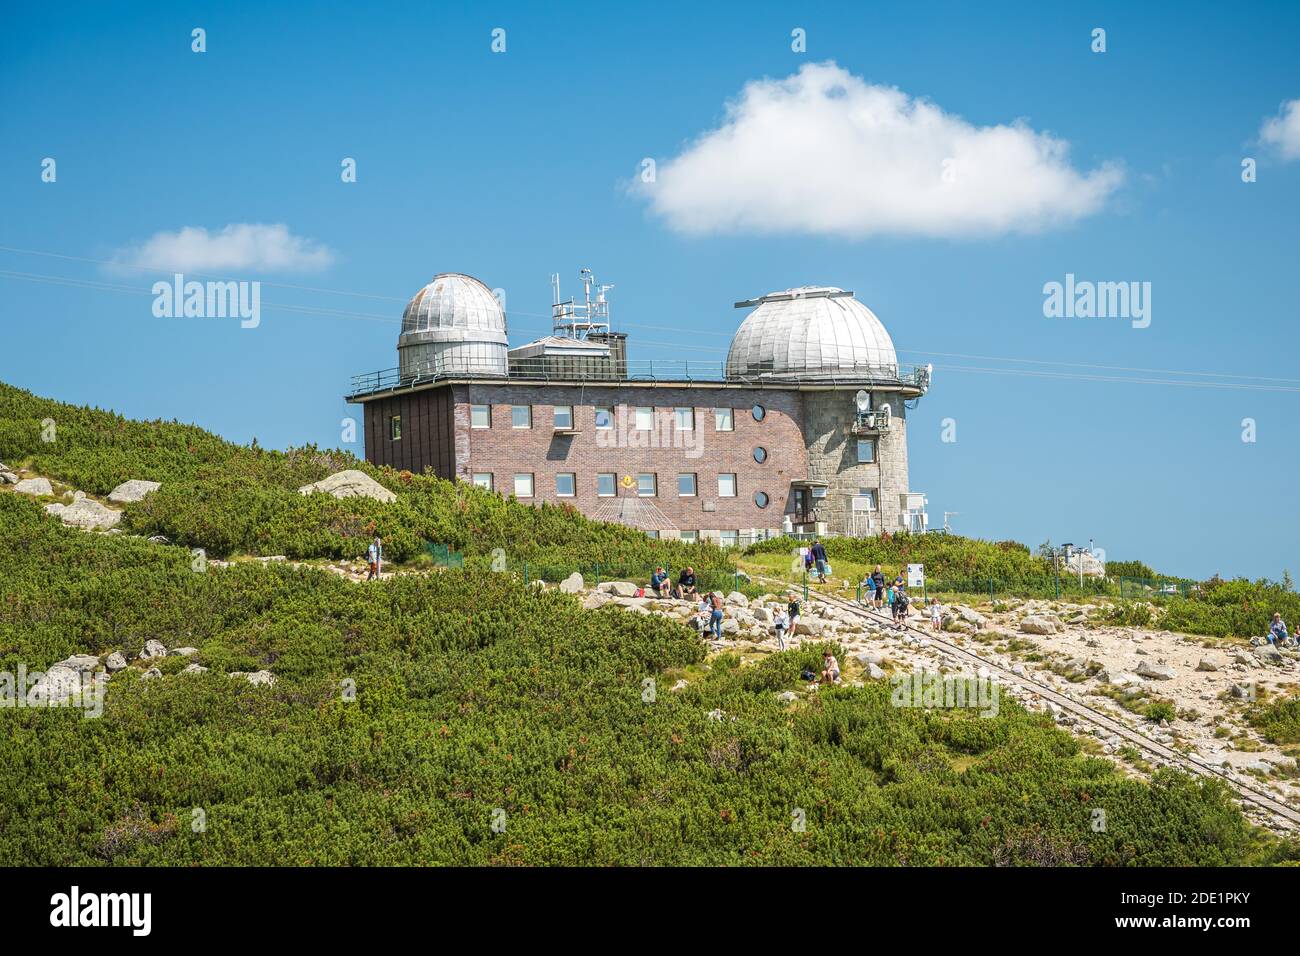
column 510, row 166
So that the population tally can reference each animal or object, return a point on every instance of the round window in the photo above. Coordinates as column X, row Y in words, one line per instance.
column 760, row 455
column 760, row 499
column 759, row 413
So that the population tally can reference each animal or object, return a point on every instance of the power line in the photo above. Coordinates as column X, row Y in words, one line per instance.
column 1242, row 381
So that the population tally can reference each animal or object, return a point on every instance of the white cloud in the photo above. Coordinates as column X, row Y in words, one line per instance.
column 1283, row 130
column 238, row 247
column 825, row 152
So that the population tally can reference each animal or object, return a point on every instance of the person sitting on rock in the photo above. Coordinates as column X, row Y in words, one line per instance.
column 1277, row 630
column 830, row 669
column 659, row 582
column 686, row 585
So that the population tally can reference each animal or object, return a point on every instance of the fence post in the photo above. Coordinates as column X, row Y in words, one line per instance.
column 525, row 574
column 990, row 590
column 598, row 574
column 805, row 584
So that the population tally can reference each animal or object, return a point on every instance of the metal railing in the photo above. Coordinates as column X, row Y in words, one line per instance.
column 546, row 369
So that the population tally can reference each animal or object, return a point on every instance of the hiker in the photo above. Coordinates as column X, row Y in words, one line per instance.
column 889, row 599
column 936, row 615
column 1277, row 630
column 375, row 557
column 900, row 606
column 715, row 618
column 818, row 553
column 878, row 583
column 659, row 582
column 781, row 622
column 793, row 610
column 686, row 585
column 830, row 669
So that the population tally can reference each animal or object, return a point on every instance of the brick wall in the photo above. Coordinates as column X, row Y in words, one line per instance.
column 504, row 451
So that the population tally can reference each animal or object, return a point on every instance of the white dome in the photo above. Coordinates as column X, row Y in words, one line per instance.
column 453, row 326
column 811, row 332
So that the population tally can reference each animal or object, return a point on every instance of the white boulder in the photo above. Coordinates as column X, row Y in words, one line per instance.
column 572, row 584
column 34, row 486
column 350, row 484
column 133, row 490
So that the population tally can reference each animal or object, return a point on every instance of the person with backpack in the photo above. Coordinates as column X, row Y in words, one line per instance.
column 375, row 558
column 793, row 610
column 901, row 602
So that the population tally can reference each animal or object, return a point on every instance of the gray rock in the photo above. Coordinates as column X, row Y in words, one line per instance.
column 158, row 539
column 152, row 673
column 572, row 584
column 86, row 513
column 869, row 657
column 1241, row 657
column 55, row 686
column 874, row 672
column 970, row 615
column 681, row 685
column 1205, row 664
column 258, row 678
column 762, row 614
column 1269, row 654
column 115, row 662
column 185, row 651
column 34, row 486
column 1119, row 678
column 8, row 478
column 351, row 483
column 133, row 490
column 194, row 669
column 787, row 696
column 152, row 649
column 619, row 588
column 1038, row 625
column 735, row 597
column 82, row 663
column 1155, row 671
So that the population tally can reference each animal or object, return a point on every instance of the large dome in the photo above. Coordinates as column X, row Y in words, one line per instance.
column 453, row 326
column 808, row 333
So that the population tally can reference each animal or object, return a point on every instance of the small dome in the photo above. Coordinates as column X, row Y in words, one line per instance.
column 811, row 332
column 454, row 326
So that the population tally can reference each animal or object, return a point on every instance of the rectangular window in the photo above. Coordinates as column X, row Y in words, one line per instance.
column 722, row 420
column 866, row 451
column 566, row 484
column 685, row 419
column 652, row 534
column 727, row 486
column 483, row 479
column 690, row 537
column 604, row 416
column 729, row 539
column 686, row 486
column 645, row 485
column 480, row 416
column 645, row 419
column 523, row 486
column 563, row 417
column 605, row 484
column 395, row 428
column 865, row 500
column 521, row 416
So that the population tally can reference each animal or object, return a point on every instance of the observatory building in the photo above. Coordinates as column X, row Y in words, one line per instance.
column 802, row 430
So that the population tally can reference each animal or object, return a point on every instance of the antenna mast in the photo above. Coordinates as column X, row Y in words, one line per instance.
column 577, row 320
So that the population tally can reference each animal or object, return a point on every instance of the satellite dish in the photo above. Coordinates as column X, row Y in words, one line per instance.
column 863, row 400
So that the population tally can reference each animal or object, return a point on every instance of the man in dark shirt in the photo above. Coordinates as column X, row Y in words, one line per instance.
column 878, row 582
column 686, row 585
column 818, row 554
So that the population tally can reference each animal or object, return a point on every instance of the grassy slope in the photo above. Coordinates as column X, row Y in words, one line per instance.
column 472, row 694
